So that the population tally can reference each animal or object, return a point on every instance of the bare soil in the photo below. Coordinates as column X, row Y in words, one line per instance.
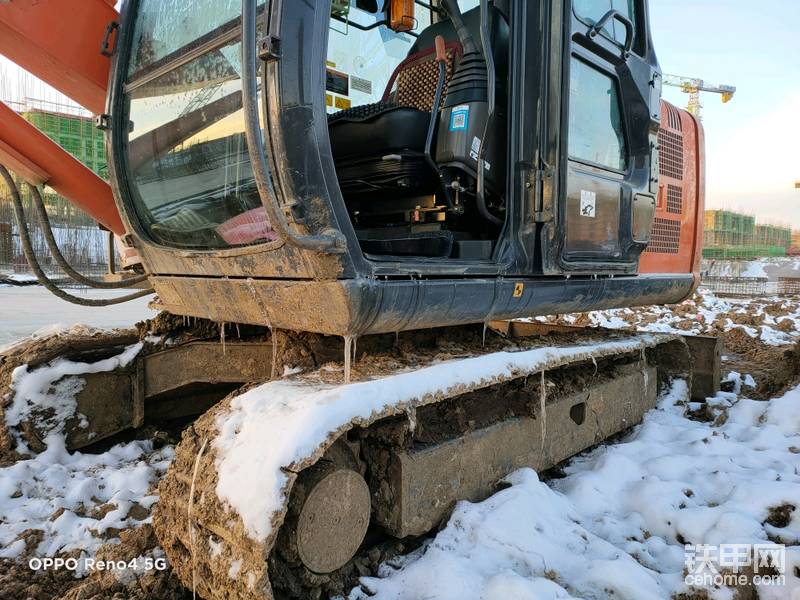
column 19, row 582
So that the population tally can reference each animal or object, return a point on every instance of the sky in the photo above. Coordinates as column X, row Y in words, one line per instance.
column 752, row 142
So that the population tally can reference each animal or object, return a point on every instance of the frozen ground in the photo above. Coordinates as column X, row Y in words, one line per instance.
column 771, row 268
column 613, row 527
column 27, row 310
column 771, row 320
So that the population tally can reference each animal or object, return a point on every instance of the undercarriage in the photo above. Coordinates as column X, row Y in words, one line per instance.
column 346, row 474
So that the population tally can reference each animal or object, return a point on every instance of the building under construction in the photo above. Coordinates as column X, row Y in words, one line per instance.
column 729, row 234
column 79, row 238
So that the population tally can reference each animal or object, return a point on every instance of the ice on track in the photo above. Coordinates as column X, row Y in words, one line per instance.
column 295, row 418
column 616, row 525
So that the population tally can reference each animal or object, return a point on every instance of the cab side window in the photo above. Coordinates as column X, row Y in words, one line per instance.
column 596, row 134
column 591, row 11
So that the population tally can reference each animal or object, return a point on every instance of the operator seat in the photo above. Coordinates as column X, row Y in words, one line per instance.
column 379, row 148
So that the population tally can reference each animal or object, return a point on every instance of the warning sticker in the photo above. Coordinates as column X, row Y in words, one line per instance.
column 476, row 148
column 459, row 118
column 588, row 204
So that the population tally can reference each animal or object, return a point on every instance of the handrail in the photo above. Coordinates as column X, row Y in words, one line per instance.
column 630, row 31
column 331, row 241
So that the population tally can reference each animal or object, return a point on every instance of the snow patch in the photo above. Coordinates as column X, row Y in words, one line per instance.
column 755, row 269
column 58, row 493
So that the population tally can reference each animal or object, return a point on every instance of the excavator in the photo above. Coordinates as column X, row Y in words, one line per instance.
column 350, row 213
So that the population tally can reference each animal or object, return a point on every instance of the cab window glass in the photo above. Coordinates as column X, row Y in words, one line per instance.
column 166, row 28
column 596, row 134
column 360, row 64
column 591, row 11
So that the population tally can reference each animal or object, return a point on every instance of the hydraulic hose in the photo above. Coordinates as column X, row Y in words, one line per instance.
column 441, row 59
column 30, row 256
column 454, row 12
column 52, row 245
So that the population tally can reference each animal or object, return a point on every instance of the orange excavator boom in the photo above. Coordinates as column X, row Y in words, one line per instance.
column 38, row 160
column 61, row 42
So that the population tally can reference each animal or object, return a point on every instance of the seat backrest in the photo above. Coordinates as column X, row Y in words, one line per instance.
column 413, row 83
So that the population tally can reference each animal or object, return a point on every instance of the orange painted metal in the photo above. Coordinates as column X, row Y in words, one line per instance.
column 681, row 199
column 36, row 158
column 700, row 169
column 60, row 42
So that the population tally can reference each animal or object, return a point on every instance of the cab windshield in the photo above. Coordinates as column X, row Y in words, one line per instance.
column 188, row 163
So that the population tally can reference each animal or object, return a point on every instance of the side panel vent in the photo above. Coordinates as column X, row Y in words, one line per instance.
column 666, row 236
column 671, row 154
column 673, row 118
column 674, row 199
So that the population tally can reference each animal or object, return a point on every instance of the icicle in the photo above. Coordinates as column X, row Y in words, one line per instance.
column 543, row 409
column 412, row 418
column 238, row 333
column 483, row 340
column 594, row 361
column 222, row 337
column 348, row 357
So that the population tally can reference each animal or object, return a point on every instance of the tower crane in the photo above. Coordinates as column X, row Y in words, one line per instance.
column 694, row 85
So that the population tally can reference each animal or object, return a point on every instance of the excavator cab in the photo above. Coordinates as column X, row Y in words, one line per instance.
column 354, row 167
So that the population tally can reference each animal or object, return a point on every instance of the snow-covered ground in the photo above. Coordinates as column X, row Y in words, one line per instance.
column 772, row 320
column 78, row 501
column 615, row 527
column 31, row 309
column 770, row 268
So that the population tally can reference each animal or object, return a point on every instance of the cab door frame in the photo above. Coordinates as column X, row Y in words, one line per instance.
column 564, row 179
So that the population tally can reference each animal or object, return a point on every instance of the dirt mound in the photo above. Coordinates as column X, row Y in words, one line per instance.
column 151, row 579
column 774, row 368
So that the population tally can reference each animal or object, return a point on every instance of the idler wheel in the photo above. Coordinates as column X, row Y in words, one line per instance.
column 333, row 520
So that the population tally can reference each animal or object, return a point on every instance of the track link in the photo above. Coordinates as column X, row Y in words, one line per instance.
column 204, row 540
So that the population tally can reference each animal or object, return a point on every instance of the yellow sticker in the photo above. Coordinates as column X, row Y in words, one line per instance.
column 343, row 103
column 329, row 99
column 519, row 288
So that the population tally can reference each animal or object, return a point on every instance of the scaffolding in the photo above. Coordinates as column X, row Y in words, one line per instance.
column 729, row 234
column 80, row 239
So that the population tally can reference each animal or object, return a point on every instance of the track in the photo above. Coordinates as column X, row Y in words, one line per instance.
column 77, row 345
column 272, row 490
